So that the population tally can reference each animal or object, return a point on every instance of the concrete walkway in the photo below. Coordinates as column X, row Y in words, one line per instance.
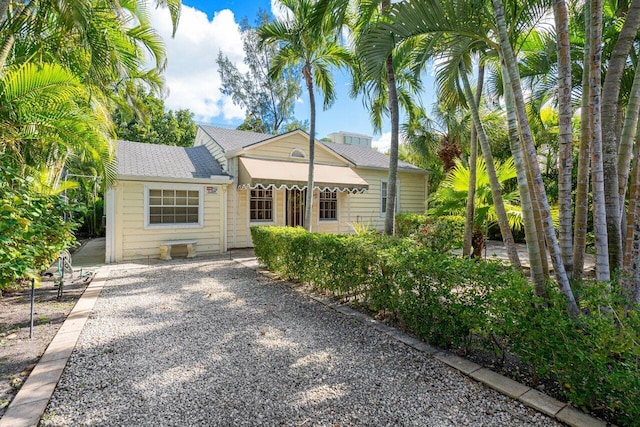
column 90, row 255
column 496, row 250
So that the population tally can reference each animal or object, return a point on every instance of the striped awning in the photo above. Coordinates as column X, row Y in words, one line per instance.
column 260, row 173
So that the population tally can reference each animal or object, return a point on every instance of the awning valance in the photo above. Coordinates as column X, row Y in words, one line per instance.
column 278, row 174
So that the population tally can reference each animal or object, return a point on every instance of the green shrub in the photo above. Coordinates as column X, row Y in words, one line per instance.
column 441, row 233
column 448, row 301
column 32, row 229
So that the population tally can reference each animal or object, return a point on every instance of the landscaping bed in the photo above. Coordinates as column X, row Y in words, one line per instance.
column 18, row 353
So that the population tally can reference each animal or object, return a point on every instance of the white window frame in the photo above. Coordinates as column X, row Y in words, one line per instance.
column 298, row 151
column 383, row 206
column 337, row 218
column 272, row 221
column 198, row 188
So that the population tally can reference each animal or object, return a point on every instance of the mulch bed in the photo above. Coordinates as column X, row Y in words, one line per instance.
column 18, row 353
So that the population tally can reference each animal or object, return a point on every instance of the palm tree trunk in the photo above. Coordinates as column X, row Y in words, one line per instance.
column 582, row 181
column 631, row 259
column 565, row 137
column 597, row 172
column 496, row 191
column 473, row 158
column 610, row 94
column 629, row 131
column 308, row 205
column 538, row 273
column 392, row 94
column 392, row 188
column 530, row 152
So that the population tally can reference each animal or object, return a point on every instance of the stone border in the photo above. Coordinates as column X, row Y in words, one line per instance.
column 526, row 395
column 29, row 404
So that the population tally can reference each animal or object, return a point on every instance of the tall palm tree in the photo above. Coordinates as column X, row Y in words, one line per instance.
column 496, row 190
column 315, row 50
column 584, row 158
column 595, row 125
column 530, row 152
column 386, row 87
column 565, row 135
column 610, row 109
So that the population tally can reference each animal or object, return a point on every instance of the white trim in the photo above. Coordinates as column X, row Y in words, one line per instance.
column 385, row 180
column 244, row 150
column 215, row 179
column 329, row 221
column 301, row 188
column 298, row 150
column 274, row 210
column 198, row 188
column 223, row 195
column 110, row 213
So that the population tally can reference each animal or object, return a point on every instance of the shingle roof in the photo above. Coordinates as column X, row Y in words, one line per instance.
column 165, row 161
column 231, row 139
column 366, row 157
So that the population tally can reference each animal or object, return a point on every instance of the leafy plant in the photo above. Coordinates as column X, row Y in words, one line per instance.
column 455, row 302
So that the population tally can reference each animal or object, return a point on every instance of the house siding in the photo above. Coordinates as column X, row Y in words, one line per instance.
column 362, row 208
column 281, row 149
column 133, row 241
column 216, row 151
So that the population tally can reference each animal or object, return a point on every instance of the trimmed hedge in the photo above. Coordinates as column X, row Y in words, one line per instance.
column 451, row 302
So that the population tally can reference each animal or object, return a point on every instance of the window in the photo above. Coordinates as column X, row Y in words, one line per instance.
column 261, row 205
column 173, row 206
column 383, row 196
column 297, row 153
column 328, row 205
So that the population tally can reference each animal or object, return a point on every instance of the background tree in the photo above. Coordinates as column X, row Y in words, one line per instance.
column 268, row 103
column 153, row 124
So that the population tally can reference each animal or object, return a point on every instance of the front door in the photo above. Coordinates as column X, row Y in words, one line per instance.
column 295, row 207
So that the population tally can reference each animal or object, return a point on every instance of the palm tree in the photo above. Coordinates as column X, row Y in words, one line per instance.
column 530, row 152
column 610, row 108
column 565, row 135
column 450, row 198
column 386, row 87
column 595, row 125
column 314, row 50
column 582, row 185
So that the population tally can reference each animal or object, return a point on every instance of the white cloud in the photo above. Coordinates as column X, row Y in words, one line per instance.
column 191, row 76
column 384, row 142
column 280, row 12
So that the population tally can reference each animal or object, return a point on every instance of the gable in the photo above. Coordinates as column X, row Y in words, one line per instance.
column 281, row 148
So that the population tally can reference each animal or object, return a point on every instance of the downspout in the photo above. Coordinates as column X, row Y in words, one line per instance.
column 110, row 224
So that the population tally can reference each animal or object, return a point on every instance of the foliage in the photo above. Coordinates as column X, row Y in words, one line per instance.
column 451, row 301
column 269, row 103
column 155, row 125
column 32, row 228
column 450, row 198
column 440, row 233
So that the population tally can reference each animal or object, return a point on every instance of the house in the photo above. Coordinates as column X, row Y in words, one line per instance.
column 210, row 194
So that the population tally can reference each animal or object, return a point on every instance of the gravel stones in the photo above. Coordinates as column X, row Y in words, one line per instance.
column 215, row 343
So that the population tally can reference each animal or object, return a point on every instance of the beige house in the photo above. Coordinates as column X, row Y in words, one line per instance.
column 204, row 199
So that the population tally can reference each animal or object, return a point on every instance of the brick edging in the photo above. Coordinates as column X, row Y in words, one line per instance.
column 524, row 394
column 27, row 407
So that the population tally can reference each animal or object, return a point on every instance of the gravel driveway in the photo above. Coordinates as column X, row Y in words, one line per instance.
column 215, row 343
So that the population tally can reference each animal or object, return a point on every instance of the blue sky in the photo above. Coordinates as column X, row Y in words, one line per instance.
column 192, row 81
